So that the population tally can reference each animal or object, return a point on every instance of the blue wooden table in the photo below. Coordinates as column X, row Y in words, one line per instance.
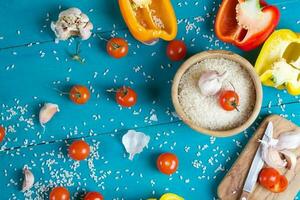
column 32, row 67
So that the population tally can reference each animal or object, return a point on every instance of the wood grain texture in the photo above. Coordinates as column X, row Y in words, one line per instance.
column 231, row 186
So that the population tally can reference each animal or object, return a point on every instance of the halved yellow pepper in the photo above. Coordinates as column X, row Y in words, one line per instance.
column 169, row 196
column 149, row 20
column 279, row 59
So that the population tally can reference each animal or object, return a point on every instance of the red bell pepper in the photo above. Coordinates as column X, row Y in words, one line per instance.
column 246, row 23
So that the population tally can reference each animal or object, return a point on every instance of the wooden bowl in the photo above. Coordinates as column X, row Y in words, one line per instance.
column 217, row 54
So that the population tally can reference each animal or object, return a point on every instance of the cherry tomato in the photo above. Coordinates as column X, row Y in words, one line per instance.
column 126, row 97
column 79, row 94
column 93, row 196
column 167, row 163
column 79, row 150
column 176, row 50
column 271, row 179
column 229, row 100
column 2, row 133
column 59, row 193
column 117, row 47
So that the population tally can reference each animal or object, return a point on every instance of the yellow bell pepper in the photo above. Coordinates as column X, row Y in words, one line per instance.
column 169, row 196
column 278, row 63
column 149, row 20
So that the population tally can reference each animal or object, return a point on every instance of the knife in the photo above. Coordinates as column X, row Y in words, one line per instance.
column 256, row 165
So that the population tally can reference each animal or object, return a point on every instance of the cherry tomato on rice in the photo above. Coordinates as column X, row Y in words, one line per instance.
column 272, row 180
column 79, row 94
column 229, row 100
column 2, row 133
column 79, row 150
column 126, row 97
column 117, row 47
column 93, row 196
column 176, row 50
column 167, row 163
column 59, row 193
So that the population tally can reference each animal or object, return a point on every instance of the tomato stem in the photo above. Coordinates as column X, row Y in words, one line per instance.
column 115, row 45
column 234, row 104
column 77, row 56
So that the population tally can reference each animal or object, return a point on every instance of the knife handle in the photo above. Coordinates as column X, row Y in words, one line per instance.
column 244, row 195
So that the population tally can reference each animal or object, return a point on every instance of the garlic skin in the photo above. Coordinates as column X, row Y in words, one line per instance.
column 28, row 179
column 289, row 140
column 210, row 82
column 72, row 22
column 134, row 142
column 47, row 112
column 272, row 157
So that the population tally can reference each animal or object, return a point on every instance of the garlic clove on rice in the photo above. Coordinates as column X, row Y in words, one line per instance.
column 28, row 179
column 47, row 112
column 134, row 142
column 210, row 82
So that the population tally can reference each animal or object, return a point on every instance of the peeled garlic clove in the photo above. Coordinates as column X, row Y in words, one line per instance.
column 210, row 82
column 47, row 112
column 134, row 142
column 288, row 140
column 28, row 179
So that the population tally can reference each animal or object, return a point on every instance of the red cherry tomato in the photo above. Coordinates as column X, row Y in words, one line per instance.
column 126, row 97
column 79, row 94
column 59, row 193
column 2, row 133
column 229, row 100
column 79, row 150
column 271, row 179
column 93, row 196
column 176, row 50
column 117, row 47
column 167, row 163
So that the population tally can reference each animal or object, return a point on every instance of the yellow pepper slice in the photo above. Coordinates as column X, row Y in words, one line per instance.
column 149, row 20
column 282, row 49
column 169, row 196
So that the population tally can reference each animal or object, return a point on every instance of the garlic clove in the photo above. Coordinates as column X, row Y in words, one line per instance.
column 272, row 157
column 28, row 179
column 291, row 159
column 288, row 140
column 210, row 82
column 134, row 142
column 47, row 112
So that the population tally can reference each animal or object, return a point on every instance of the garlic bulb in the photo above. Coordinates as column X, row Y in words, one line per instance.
column 28, row 179
column 47, row 112
column 134, row 142
column 289, row 140
column 72, row 22
column 210, row 82
column 277, row 152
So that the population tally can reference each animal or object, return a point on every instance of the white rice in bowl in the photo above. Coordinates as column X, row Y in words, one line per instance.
column 206, row 112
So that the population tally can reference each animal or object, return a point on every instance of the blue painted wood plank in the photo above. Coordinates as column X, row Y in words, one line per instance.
column 105, row 15
column 203, row 163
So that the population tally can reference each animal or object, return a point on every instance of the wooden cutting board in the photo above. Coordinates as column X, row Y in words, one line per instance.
column 231, row 186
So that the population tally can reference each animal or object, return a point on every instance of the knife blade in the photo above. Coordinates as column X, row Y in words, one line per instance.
column 256, row 165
